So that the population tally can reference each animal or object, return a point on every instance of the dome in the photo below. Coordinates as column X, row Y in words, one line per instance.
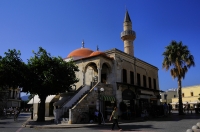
column 82, row 52
column 97, row 53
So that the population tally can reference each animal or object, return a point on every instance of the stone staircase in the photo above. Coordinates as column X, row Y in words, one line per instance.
column 65, row 118
column 75, row 92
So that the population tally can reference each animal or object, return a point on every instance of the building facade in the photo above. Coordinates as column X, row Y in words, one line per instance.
column 123, row 77
column 10, row 98
column 190, row 94
column 167, row 96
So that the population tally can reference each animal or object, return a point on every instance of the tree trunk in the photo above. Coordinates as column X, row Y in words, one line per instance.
column 41, row 110
column 180, row 110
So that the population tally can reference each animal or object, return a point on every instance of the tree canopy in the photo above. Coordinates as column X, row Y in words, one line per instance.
column 178, row 59
column 47, row 75
column 11, row 70
column 43, row 75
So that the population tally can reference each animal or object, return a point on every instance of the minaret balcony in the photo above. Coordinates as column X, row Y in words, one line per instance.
column 127, row 32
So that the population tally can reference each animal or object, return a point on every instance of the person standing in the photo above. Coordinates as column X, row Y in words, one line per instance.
column 114, row 116
column 188, row 107
column 16, row 113
column 11, row 111
column 169, row 108
column 96, row 114
column 165, row 107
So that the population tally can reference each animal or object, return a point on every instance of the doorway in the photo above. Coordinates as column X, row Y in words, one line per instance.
column 103, row 78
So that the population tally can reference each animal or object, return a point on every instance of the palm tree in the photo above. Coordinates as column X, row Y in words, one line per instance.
column 178, row 59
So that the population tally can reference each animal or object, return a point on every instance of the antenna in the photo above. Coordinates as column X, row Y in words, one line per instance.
column 97, row 48
column 83, row 43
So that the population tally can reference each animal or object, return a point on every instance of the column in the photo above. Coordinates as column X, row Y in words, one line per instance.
column 99, row 74
column 83, row 77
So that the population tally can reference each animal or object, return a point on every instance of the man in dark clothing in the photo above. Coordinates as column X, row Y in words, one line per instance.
column 16, row 113
column 188, row 107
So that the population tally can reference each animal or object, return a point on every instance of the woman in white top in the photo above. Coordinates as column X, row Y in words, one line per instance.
column 115, row 118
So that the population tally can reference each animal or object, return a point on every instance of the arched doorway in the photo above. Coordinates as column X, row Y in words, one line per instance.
column 105, row 73
column 128, row 97
column 90, row 73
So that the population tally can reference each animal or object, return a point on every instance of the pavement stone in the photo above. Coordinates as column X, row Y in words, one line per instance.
column 49, row 123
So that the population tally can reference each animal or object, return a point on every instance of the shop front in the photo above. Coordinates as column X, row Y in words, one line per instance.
column 109, row 102
column 129, row 98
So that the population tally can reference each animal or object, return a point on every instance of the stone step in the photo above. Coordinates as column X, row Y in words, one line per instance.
column 64, row 120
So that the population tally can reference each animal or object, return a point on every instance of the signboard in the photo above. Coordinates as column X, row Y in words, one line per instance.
column 15, row 104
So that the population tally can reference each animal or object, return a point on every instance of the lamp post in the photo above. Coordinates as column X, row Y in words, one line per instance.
column 99, row 115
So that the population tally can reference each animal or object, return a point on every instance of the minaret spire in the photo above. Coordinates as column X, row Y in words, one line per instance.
column 127, row 17
column 128, row 35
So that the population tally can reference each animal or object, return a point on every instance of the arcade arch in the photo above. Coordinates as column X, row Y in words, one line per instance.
column 90, row 72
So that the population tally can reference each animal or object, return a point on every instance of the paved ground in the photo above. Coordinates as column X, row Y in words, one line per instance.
column 9, row 125
column 172, row 123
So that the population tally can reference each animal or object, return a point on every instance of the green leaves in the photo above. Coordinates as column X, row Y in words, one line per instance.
column 43, row 74
column 11, row 69
column 178, row 58
column 49, row 75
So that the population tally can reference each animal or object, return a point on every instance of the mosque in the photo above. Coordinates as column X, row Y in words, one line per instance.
column 108, row 79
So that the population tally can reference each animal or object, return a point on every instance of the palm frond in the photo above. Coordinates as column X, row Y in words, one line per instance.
column 178, row 58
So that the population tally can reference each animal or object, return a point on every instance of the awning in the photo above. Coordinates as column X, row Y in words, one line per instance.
column 36, row 99
column 49, row 98
column 147, row 92
column 177, row 103
column 194, row 102
column 174, row 103
column 107, row 98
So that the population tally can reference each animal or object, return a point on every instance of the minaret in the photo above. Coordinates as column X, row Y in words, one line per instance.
column 128, row 35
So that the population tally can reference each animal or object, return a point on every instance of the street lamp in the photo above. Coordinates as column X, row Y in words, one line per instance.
column 99, row 115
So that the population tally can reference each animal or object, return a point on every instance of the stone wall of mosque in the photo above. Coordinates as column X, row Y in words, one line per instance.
column 137, row 67
column 90, row 99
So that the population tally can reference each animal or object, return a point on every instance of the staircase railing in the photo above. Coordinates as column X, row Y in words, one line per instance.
column 85, row 95
column 76, row 96
column 75, row 92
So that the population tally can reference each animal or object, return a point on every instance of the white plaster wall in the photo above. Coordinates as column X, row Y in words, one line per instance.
column 79, row 75
column 35, row 109
column 89, row 74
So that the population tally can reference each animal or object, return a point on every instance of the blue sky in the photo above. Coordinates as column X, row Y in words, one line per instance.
column 59, row 26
